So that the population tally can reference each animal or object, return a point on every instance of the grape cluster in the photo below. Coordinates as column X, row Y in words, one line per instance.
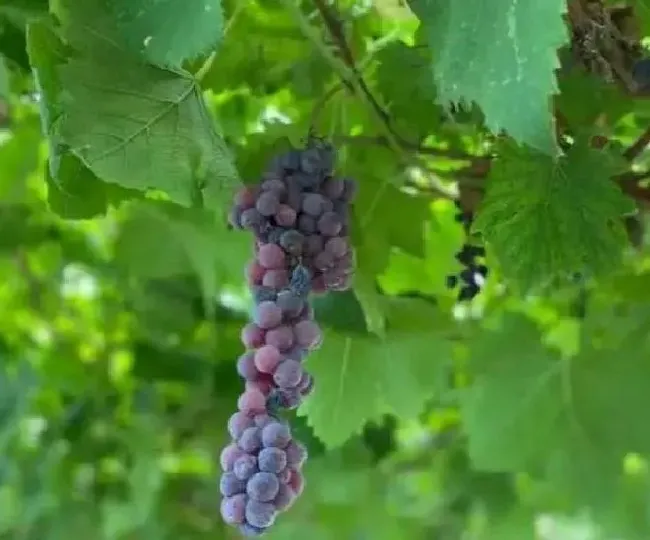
column 299, row 216
column 473, row 276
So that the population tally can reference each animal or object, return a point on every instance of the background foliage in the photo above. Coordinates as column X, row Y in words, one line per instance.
column 126, row 125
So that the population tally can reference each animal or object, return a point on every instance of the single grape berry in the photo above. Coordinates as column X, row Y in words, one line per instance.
column 233, row 509
column 246, row 366
column 272, row 460
column 292, row 241
column 288, row 374
column 237, row 423
column 230, row 485
column 276, row 435
column 251, row 401
column 271, row 256
column 267, row 358
column 260, row 514
column 245, row 467
column 250, row 440
column 228, row 456
column 262, row 486
column 267, row 315
column 280, row 338
column 268, row 203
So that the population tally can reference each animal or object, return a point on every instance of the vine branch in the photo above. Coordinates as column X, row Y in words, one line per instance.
column 638, row 146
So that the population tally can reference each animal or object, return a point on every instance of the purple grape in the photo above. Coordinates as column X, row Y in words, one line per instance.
column 286, row 216
column 228, row 456
column 296, row 353
column 267, row 315
column 296, row 454
column 288, row 374
column 292, row 241
column 263, row 420
column 247, row 530
column 272, row 460
column 233, row 509
column 314, row 204
column 238, row 423
column 284, row 499
column 230, row 485
column 260, row 514
column 289, row 303
column 252, row 336
column 294, row 197
column 323, row 261
column 262, row 486
column 251, row 401
column 284, row 398
column 276, row 435
column 280, row 338
column 329, row 224
column 275, row 185
column 306, row 224
column 245, row 467
column 246, row 366
column 251, row 440
column 307, row 334
column 333, row 188
column 251, row 219
column 314, row 244
column 268, row 203
column 337, row 246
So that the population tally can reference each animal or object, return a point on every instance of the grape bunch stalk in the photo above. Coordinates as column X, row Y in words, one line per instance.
column 298, row 214
column 473, row 276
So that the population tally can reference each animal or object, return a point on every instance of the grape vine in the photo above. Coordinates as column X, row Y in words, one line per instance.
column 299, row 217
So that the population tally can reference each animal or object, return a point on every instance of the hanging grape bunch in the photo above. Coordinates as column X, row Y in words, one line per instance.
column 473, row 276
column 299, row 217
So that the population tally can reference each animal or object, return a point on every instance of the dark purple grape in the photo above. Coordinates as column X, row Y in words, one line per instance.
column 306, row 224
column 268, row 203
column 276, row 435
column 329, row 224
column 296, row 353
column 230, row 485
column 233, row 509
column 260, row 514
column 314, row 244
column 292, row 241
column 337, row 246
column 314, row 204
column 251, row 440
column 274, row 235
column 289, row 303
column 323, row 261
column 333, row 188
column 262, row 420
column 288, row 374
column 272, row 460
column 306, row 181
column 262, row 486
column 294, row 196
column 284, row 398
column 275, row 185
column 311, row 161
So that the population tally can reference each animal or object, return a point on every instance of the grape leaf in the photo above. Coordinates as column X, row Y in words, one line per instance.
column 528, row 405
column 137, row 125
column 493, row 53
column 167, row 32
column 568, row 210
column 359, row 378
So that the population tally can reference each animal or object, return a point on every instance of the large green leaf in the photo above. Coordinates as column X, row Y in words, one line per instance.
column 493, row 53
column 549, row 221
column 168, row 32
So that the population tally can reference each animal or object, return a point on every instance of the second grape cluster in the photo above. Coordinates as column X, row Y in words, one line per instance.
column 299, row 216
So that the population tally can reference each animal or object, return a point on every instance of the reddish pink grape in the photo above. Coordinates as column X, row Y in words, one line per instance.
column 260, row 514
column 314, row 244
column 296, row 454
column 307, row 334
column 245, row 197
column 285, row 498
column 288, row 374
column 285, row 216
column 267, row 315
column 254, row 273
column 261, row 385
column 263, row 486
column 252, row 336
column 233, row 509
column 246, row 366
column 267, row 358
column 238, row 423
column 267, row 203
column 277, row 279
column 337, row 246
column 252, row 401
column 228, row 456
column 251, row 440
column 297, row 482
column 280, row 338
column 276, row 435
column 270, row 256
column 329, row 224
